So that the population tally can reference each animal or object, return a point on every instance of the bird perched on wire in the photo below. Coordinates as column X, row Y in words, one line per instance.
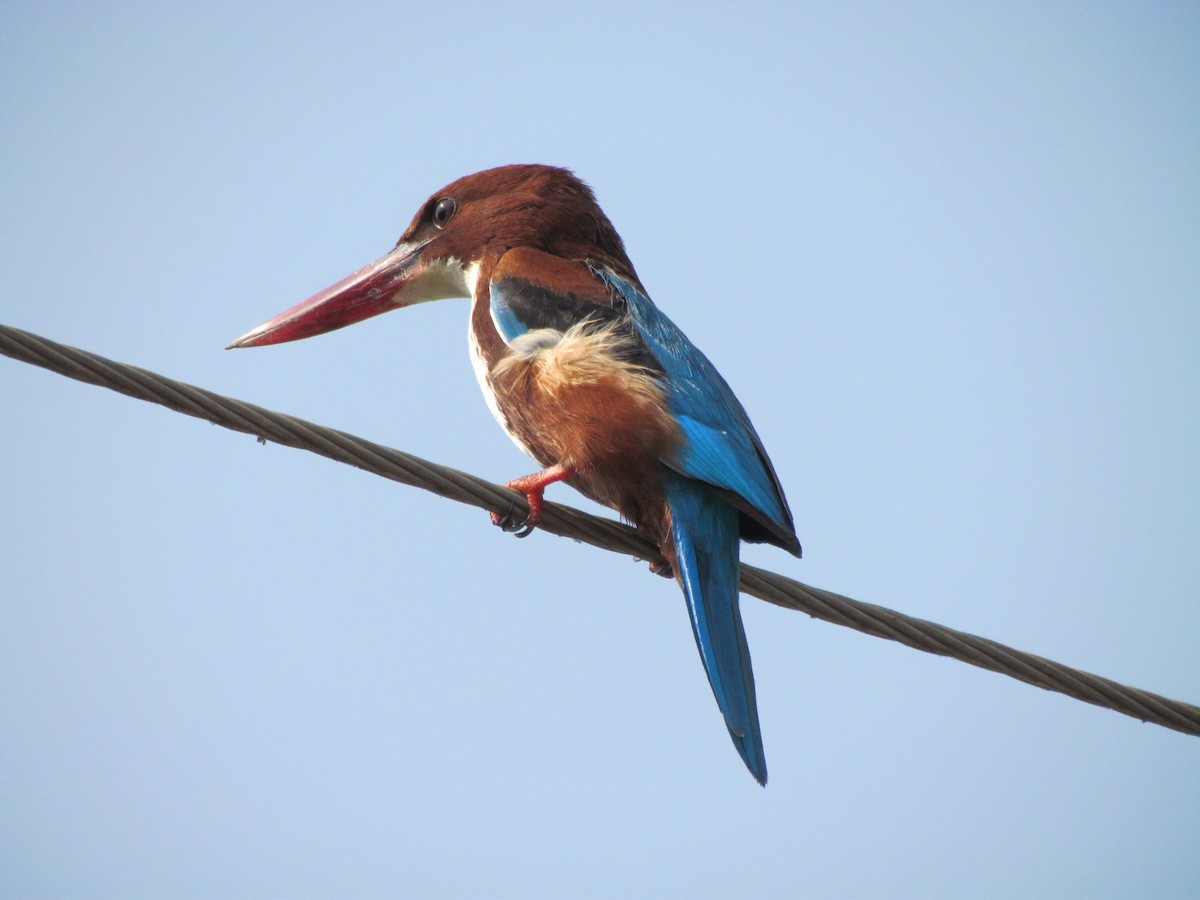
column 590, row 379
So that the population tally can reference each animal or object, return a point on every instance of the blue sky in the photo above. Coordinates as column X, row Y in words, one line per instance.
column 947, row 256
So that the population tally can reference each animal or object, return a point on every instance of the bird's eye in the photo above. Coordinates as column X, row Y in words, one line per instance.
column 443, row 211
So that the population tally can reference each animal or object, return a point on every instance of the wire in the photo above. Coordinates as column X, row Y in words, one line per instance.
column 580, row 526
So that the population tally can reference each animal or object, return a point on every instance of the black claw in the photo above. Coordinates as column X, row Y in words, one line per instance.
column 508, row 523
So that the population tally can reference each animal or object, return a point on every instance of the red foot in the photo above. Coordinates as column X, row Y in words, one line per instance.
column 533, row 487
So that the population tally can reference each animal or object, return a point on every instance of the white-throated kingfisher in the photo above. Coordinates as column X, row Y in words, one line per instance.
column 591, row 380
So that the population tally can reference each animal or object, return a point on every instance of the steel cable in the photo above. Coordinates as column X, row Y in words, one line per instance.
column 607, row 534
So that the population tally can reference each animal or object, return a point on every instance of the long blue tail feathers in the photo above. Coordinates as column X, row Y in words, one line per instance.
column 705, row 531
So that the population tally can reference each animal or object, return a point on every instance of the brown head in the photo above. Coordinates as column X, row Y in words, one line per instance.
column 457, row 234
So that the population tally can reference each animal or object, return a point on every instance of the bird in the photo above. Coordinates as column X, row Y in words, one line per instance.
column 590, row 379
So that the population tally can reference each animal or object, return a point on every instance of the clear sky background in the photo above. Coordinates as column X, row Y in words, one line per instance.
column 948, row 255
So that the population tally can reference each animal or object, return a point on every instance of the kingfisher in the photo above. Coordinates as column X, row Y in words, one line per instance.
column 592, row 381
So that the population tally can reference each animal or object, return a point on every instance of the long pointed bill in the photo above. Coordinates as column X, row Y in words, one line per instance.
column 392, row 281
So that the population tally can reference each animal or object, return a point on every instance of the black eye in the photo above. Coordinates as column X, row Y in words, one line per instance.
column 443, row 211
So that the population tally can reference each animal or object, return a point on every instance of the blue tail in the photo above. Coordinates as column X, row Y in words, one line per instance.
column 704, row 528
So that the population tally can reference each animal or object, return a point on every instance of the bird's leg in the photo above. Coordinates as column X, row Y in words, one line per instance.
column 533, row 487
column 663, row 569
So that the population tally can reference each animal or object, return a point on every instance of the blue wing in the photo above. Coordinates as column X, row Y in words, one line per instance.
column 722, row 446
column 719, row 487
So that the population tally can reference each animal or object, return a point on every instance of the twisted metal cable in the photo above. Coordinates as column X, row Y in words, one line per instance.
column 604, row 533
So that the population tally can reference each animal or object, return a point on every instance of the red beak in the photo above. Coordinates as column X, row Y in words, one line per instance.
column 392, row 281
